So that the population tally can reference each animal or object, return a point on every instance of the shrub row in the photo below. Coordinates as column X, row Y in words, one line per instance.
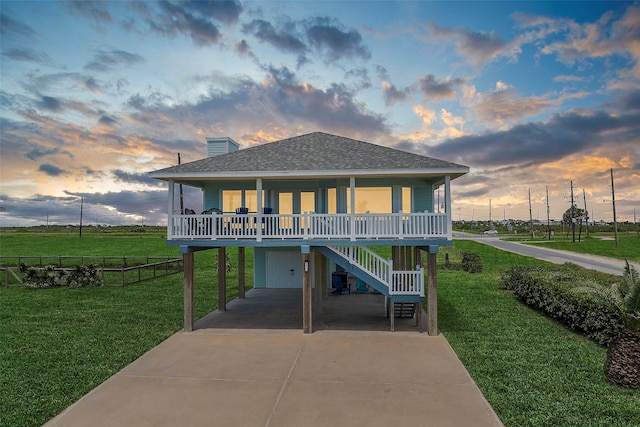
column 552, row 290
column 50, row 276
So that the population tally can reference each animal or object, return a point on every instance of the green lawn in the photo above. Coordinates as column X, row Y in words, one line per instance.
column 57, row 344
column 628, row 246
column 532, row 370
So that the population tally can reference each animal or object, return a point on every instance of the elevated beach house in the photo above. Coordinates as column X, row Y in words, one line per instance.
column 311, row 205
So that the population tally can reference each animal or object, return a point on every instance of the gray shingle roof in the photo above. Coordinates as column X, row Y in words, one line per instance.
column 311, row 152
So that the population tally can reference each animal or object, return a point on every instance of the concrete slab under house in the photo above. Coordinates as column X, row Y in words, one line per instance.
column 310, row 206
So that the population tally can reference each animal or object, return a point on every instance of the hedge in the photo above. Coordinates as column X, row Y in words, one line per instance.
column 551, row 290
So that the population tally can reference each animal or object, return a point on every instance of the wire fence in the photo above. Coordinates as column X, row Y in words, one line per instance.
column 113, row 270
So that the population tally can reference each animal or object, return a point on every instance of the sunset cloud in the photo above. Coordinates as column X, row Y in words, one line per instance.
column 525, row 98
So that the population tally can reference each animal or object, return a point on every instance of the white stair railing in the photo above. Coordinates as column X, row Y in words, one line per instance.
column 367, row 260
column 399, row 282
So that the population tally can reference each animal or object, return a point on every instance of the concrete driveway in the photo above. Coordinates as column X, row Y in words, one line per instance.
column 262, row 375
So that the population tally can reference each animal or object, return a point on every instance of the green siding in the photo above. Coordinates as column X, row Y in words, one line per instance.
column 423, row 199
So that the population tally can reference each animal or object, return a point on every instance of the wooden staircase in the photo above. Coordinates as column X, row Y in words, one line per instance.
column 404, row 310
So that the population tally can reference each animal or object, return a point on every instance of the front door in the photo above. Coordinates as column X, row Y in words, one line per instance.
column 284, row 269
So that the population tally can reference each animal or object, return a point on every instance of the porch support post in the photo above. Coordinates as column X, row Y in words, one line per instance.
column 447, row 205
column 187, row 263
column 317, row 280
column 259, row 209
column 307, row 317
column 222, row 279
column 241, row 272
column 417, row 262
column 170, row 211
column 392, row 315
column 432, row 292
column 408, row 258
column 417, row 257
column 395, row 257
column 323, row 277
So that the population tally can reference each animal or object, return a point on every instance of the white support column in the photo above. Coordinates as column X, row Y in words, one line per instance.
column 447, row 205
column 259, row 209
column 352, row 186
column 170, row 211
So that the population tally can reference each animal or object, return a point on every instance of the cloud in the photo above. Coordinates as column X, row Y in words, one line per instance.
column 629, row 101
column 39, row 151
column 243, row 48
column 9, row 26
column 332, row 108
column 110, row 208
column 92, row 84
column 107, row 60
column 321, row 35
column 26, row 55
column 504, row 106
column 275, row 105
column 337, row 42
column 285, row 39
column 565, row 78
column 582, row 42
column 191, row 18
column 478, row 48
column 360, row 76
column 438, row 89
column 51, row 170
column 96, row 10
column 108, row 121
column 393, row 94
column 562, row 136
column 136, row 178
column 50, row 103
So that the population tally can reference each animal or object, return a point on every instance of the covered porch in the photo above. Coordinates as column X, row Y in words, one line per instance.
column 276, row 309
column 314, row 303
column 367, row 209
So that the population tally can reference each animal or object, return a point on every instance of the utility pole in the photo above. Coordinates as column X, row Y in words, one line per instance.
column 490, row 212
column 81, row 205
column 548, row 219
column 613, row 201
column 181, row 198
column 586, row 215
column 573, row 215
column 530, row 216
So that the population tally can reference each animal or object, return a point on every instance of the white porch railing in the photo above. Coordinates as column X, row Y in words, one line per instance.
column 310, row 226
column 399, row 282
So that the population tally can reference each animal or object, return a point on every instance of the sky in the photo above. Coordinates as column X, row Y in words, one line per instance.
column 535, row 97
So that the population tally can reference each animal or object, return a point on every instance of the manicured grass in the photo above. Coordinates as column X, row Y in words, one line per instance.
column 532, row 370
column 628, row 247
column 57, row 344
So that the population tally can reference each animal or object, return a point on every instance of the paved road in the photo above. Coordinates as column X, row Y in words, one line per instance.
column 592, row 262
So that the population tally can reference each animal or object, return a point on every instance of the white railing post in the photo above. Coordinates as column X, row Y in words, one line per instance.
column 304, row 224
column 259, row 210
